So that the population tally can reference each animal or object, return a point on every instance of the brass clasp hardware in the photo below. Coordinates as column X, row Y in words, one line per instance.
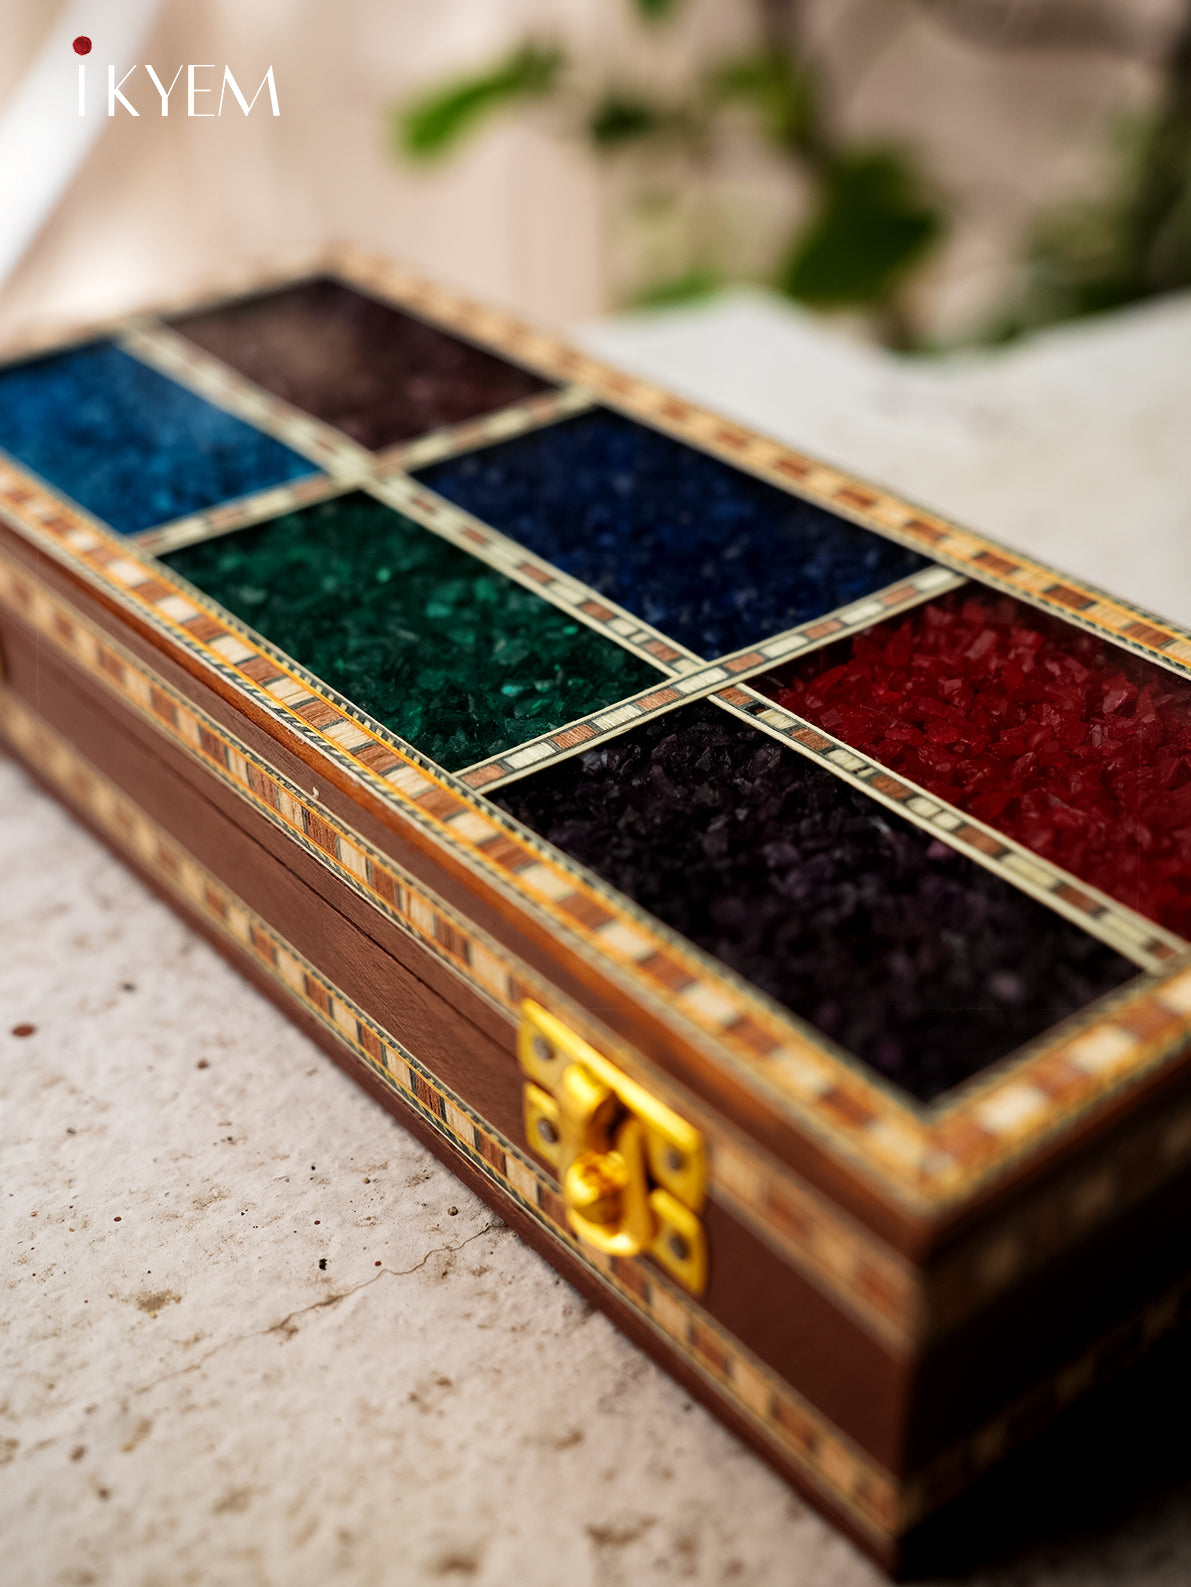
column 633, row 1174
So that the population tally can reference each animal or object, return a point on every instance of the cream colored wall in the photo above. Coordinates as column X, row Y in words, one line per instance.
column 522, row 216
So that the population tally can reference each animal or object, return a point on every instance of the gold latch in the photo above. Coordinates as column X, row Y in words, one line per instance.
column 633, row 1174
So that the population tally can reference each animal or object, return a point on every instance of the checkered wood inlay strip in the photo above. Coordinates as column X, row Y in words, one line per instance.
column 794, row 1428
column 1128, row 932
column 577, row 736
column 518, row 418
column 247, row 510
column 433, row 512
column 965, row 551
column 329, row 449
column 239, row 514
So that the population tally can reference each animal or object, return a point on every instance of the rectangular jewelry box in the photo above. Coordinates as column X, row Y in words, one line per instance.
column 770, row 897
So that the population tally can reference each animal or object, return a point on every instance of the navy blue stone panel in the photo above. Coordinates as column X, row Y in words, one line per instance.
column 713, row 557
column 127, row 443
column 908, row 954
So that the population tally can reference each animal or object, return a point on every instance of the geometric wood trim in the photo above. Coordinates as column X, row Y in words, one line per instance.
column 1122, row 928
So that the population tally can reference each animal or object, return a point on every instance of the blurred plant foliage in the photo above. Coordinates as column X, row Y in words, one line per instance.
column 871, row 217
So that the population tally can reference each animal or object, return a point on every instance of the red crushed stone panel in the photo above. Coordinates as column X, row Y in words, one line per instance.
column 1076, row 750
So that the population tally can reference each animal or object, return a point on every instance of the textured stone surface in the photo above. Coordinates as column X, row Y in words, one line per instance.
column 129, row 444
column 713, row 557
column 378, row 375
column 911, row 956
column 1079, row 751
column 456, row 658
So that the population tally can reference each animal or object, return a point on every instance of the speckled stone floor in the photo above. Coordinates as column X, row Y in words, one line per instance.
column 189, row 1396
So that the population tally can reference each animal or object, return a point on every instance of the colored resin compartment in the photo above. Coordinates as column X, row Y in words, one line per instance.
column 1077, row 750
column 908, row 954
column 378, row 374
column 452, row 656
column 712, row 557
column 127, row 443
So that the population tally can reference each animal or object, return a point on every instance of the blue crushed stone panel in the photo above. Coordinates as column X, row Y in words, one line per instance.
column 713, row 557
column 130, row 445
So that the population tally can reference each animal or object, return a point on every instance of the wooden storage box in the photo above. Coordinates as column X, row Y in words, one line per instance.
column 770, row 897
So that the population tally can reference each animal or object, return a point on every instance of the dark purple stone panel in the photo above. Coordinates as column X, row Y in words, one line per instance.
column 908, row 954
column 377, row 374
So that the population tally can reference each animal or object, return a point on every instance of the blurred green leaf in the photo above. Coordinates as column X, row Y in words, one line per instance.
column 430, row 126
column 779, row 89
column 1097, row 255
column 621, row 118
column 691, row 284
column 656, row 10
column 875, row 222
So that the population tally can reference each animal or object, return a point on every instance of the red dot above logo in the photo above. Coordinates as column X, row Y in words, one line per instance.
column 82, row 45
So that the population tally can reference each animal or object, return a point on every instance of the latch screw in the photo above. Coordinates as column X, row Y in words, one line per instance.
column 548, row 1132
column 542, row 1050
